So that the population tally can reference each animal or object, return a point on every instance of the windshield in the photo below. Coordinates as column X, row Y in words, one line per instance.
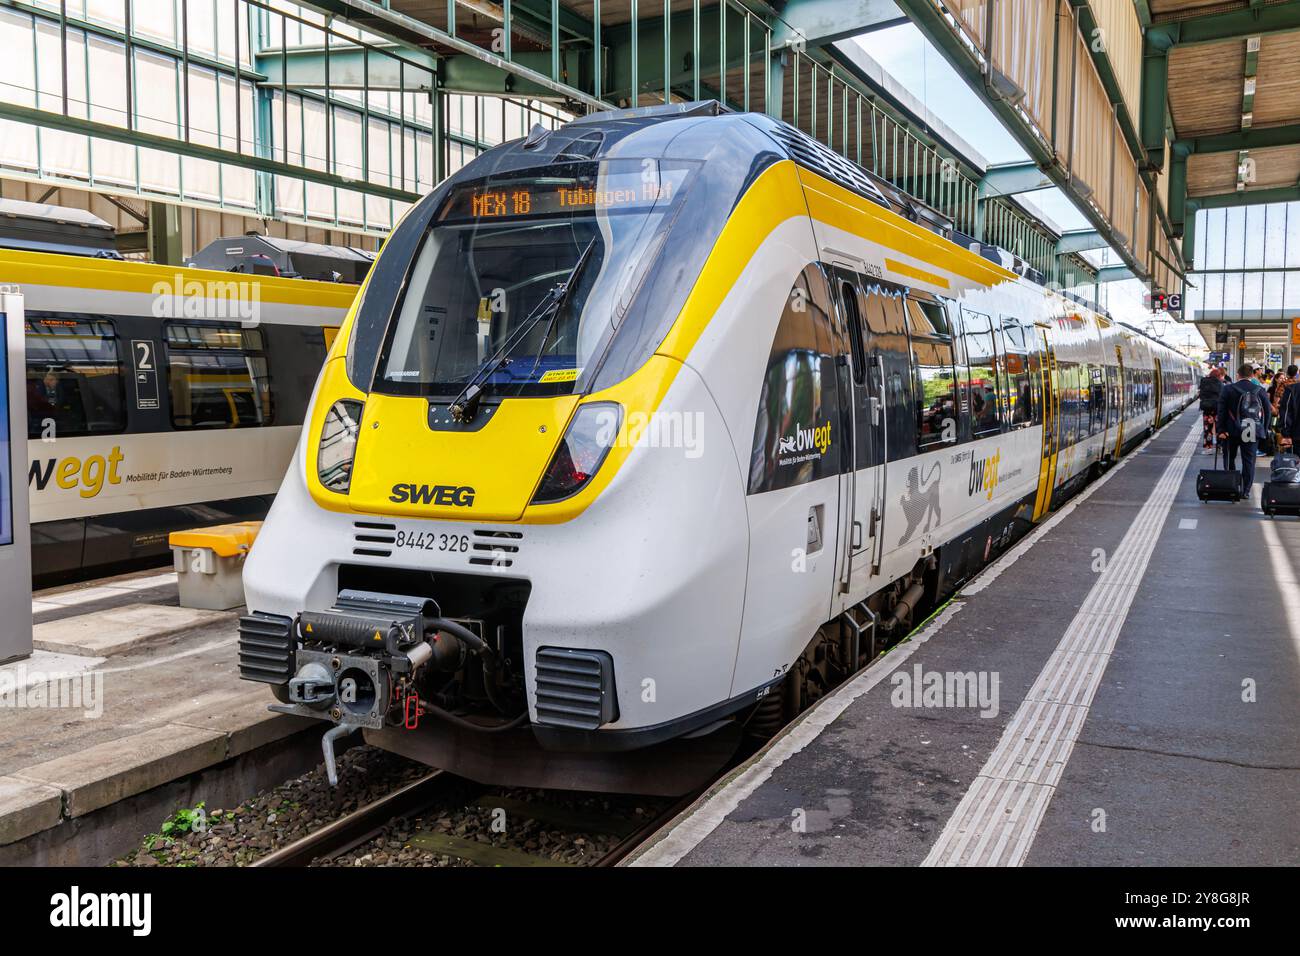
column 494, row 291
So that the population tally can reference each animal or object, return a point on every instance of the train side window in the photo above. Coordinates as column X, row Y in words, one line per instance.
column 936, row 399
column 885, row 310
column 797, row 434
column 1071, row 410
column 853, row 318
column 217, row 376
column 1097, row 399
column 1039, row 405
column 1017, row 379
column 982, row 356
column 928, row 318
column 74, row 377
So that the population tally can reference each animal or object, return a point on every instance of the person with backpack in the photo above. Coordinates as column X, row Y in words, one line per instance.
column 1210, row 389
column 1243, row 418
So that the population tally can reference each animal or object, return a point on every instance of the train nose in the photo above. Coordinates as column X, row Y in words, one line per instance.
column 409, row 462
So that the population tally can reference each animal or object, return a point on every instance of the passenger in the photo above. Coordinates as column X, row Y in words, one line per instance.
column 1279, row 387
column 1211, row 389
column 1243, row 418
column 1262, row 377
column 1288, row 423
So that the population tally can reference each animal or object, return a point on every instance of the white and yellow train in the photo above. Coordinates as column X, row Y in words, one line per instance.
column 645, row 431
column 158, row 398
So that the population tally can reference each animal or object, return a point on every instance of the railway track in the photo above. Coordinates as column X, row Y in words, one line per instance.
column 440, row 790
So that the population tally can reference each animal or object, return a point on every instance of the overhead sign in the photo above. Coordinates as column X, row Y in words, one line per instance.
column 1165, row 302
column 1295, row 331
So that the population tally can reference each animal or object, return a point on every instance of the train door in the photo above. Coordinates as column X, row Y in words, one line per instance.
column 1051, row 435
column 1122, row 409
column 1157, row 383
column 862, row 484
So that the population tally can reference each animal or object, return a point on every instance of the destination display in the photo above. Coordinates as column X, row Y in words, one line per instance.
column 632, row 186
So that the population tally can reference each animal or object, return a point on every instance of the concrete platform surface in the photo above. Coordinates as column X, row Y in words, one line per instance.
column 1118, row 689
column 112, row 631
column 143, row 693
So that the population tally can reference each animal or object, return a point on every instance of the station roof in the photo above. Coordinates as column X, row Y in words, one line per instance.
column 1234, row 92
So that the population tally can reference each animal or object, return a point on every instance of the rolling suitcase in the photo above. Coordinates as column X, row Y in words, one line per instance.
column 1281, row 493
column 1215, row 484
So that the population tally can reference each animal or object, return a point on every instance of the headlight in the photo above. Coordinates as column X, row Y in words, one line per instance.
column 583, row 448
column 338, row 445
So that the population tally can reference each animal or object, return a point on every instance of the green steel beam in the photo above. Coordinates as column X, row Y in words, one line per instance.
column 1115, row 274
column 1233, row 25
column 1007, row 179
column 1248, row 197
column 350, row 68
column 164, row 232
column 812, row 23
column 1253, row 138
column 1155, row 98
column 72, row 124
column 1177, row 190
column 383, row 21
column 467, row 74
column 1079, row 240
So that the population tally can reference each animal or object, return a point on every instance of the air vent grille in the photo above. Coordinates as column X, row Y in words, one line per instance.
column 266, row 648
column 824, row 161
column 374, row 539
column 496, row 549
column 575, row 688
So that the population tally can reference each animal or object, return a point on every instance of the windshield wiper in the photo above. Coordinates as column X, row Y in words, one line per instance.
column 464, row 405
column 561, row 300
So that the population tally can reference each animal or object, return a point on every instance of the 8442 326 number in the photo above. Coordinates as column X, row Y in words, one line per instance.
column 432, row 541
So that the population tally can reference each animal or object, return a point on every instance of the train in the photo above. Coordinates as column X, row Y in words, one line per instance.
column 647, row 431
column 158, row 398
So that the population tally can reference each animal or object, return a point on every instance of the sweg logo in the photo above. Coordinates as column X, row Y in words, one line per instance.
column 461, row 496
column 73, row 909
column 984, row 474
column 70, row 472
column 804, row 439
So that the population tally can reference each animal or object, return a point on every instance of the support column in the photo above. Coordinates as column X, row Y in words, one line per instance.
column 438, row 101
column 776, row 83
column 165, row 234
column 1155, row 95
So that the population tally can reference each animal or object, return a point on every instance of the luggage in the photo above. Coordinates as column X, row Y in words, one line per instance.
column 1281, row 494
column 1215, row 484
column 1282, row 462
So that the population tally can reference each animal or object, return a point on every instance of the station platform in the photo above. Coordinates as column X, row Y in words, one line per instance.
column 126, row 703
column 1133, row 666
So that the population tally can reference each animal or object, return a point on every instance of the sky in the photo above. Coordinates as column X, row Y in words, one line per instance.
column 910, row 59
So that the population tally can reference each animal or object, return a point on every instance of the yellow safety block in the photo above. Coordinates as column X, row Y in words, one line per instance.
column 224, row 540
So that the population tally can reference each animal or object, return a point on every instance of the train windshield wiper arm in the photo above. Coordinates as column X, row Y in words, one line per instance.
column 464, row 405
column 562, row 299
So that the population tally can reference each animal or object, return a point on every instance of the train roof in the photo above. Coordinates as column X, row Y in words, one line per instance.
column 41, row 227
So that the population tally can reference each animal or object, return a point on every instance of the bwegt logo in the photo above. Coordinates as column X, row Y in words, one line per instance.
column 183, row 298
column 941, row 689
column 74, row 909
